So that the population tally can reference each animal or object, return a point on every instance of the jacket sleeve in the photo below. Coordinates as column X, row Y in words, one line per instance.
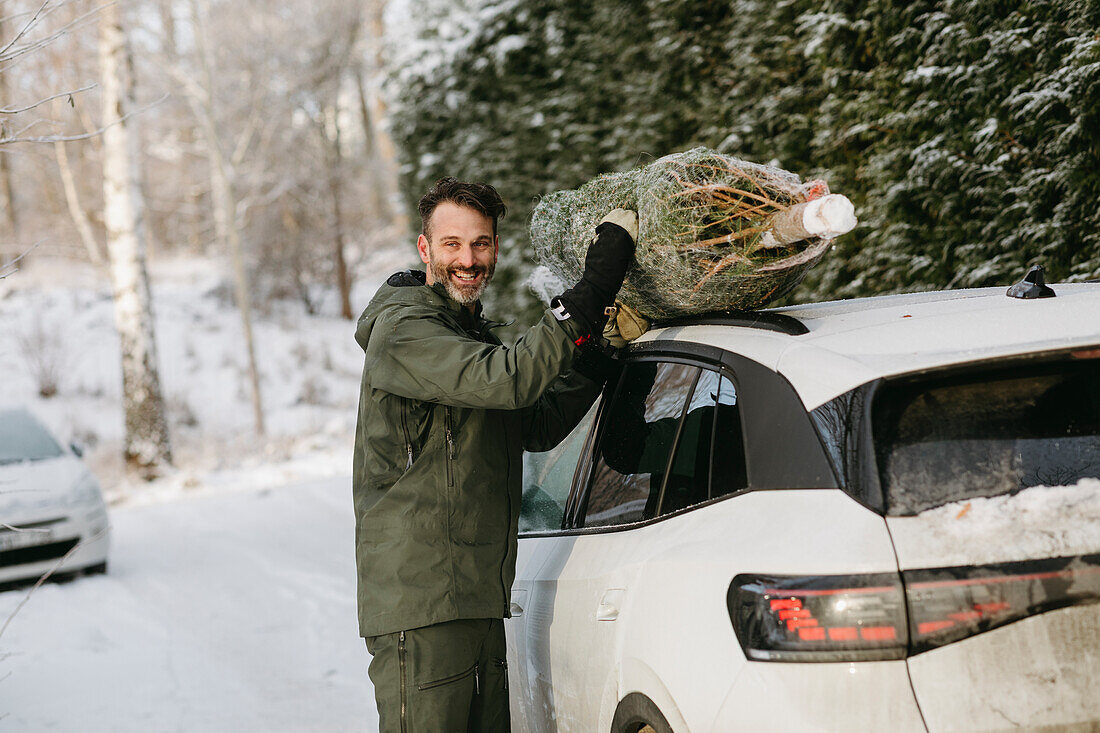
column 547, row 422
column 413, row 353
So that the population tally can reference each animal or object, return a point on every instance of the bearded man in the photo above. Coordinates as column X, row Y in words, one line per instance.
column 445, row 413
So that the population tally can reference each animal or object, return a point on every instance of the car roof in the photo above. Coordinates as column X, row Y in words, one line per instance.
column 850, row 342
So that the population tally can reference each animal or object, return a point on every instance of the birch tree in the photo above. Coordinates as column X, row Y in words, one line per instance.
column 146, row 444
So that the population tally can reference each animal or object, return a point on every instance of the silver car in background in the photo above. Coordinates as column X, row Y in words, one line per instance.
column 52, row 514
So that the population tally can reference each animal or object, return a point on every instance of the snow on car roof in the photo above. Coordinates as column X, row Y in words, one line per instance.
column 851, row 342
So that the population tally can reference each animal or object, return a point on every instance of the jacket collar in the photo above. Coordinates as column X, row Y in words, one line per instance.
column 471, row 322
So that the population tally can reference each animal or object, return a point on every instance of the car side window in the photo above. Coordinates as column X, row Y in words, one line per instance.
column 548, row 477
column 637, row 437
column 710, row 458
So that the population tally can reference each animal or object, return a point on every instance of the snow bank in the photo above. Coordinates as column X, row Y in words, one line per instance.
column 225, row 614
column 1043, row 521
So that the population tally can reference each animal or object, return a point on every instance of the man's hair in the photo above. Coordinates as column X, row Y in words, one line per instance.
column 480, row 197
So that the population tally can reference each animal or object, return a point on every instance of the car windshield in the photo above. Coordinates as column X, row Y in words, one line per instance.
column 982, row 434
column 23, row 439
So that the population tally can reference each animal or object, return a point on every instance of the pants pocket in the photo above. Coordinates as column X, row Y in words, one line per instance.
column 472, row 671
column 500, row 667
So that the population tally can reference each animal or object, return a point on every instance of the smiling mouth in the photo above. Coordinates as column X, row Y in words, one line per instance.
column 466, row 278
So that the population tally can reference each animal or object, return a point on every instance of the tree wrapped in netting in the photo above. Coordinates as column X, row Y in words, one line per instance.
column 714, row 233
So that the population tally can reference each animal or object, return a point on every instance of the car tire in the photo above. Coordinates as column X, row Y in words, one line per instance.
column 637, row 714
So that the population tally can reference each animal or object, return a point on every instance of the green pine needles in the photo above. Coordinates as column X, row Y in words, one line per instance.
column 704, row 232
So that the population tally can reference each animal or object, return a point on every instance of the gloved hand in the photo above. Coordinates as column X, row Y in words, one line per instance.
column 605, row 265
column 626, row 325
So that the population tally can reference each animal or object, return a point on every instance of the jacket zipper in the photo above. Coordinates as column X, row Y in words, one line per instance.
column 450, row 446
column 404, row 693
column 405, row 431
column 507, row 549
column 503, row 663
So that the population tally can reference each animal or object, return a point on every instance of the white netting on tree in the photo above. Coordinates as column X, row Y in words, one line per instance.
column 714, row 232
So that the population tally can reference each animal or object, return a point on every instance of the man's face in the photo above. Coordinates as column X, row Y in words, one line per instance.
column 462, row 251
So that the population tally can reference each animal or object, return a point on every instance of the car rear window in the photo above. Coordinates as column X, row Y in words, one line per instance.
column 23, row 439
column 987, row 433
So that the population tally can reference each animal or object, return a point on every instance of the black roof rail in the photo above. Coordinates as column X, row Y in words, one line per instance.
column 745, row 319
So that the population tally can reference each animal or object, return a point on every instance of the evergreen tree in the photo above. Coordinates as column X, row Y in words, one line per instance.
column 966, row 132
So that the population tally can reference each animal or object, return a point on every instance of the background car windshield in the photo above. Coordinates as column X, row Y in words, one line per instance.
column 988, row 433
column 23, row 439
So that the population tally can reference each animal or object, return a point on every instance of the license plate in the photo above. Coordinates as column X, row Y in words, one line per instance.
column 10, row 540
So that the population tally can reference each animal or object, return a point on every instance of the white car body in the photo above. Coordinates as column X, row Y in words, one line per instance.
column 52, row 515
column 606, row 612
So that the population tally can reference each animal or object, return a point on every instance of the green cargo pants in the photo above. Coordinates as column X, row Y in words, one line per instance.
column 449, row 677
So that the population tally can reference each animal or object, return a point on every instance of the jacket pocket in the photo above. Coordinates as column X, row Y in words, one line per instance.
column 448, row 429
column 472, row 671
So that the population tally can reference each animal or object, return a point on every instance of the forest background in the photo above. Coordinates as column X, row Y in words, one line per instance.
column 300, row 134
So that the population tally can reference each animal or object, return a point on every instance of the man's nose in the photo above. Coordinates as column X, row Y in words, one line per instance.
column 466, row 257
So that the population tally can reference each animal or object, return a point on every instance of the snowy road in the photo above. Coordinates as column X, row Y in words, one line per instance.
column 233, row 612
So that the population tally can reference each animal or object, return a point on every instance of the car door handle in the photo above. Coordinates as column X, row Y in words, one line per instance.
column 612, row 601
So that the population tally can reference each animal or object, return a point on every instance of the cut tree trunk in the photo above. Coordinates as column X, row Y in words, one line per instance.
column 146, row 445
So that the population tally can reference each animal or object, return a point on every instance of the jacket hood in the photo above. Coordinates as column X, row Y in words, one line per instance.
column 410, row 288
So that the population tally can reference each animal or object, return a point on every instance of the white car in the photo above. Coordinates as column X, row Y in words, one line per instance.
column 880, row 514
column 52, row 515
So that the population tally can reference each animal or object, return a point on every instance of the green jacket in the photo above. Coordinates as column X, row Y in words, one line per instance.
column 445, row 412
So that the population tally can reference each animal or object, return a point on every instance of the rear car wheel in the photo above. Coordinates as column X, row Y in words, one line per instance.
column 637, row 714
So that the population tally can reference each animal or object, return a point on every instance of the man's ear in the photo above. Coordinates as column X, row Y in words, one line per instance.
column 496, row 247
column 422, row 248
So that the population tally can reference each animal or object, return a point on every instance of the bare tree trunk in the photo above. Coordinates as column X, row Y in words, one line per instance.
column 147, row 448
column 72, row 198
column 379, row 206
column 168, row 27
column 224, row 200
column 384, row 152
column 335, row 179
column 7, row 193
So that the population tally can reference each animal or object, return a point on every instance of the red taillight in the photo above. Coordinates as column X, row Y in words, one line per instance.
column 948, row 604
column 819, row 618
column 840, row 618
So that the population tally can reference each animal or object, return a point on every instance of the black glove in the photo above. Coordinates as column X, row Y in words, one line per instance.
column 605, row 265
column 597, row 364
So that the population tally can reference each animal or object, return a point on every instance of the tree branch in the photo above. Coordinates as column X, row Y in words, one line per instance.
column 84, row 135
column 8, row 53
column 9, row 268
column 9, row 111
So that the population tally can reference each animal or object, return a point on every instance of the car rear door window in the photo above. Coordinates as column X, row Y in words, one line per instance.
column 982, row 434
column 638, row 434
column 548, row 477
column 710, row 458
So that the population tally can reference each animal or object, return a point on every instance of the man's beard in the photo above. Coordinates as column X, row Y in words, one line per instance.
column 462, row 294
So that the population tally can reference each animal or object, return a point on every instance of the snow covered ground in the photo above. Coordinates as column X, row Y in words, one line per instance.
column 232, row 612
column 230, row 600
